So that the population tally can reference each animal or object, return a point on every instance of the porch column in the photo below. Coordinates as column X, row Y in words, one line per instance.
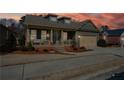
column 28, row 35
column 51, row 36
column 62, row 35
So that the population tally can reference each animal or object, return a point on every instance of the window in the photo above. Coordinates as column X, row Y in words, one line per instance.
column 67, row 21
column 33, row 34
column 53, row 18
column 38, row 34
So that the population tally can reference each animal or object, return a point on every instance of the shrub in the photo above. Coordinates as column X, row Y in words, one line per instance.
column 23, row 48
column 45, row 50
column 21, row 40
column 70, row 42
column 10, row 44
column 30, row 46
column 66, row 42
column 83, row 48
column 101, row 43
column 73, row 43
column 75, row 48
column 3, row 48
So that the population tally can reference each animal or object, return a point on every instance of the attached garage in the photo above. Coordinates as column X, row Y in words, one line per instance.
column 88, row 35
column 88, row 39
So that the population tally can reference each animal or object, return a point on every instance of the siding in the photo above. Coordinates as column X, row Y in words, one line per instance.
column 88, row 41
column 113, row 40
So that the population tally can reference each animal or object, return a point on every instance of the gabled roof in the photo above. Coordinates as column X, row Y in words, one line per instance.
column 73, row 25
column 88, row 26
column 115, row 32
column 41, row 21
column 62, row 18
column 50, row 15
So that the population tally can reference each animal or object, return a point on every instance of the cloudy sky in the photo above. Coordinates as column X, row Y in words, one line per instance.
column 113, row 20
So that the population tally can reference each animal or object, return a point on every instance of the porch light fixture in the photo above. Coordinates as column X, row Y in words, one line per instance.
column 79, row 41
column 79, row 36
column 47, row 35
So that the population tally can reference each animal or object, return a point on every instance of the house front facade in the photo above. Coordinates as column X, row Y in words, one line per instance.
column 51, row 29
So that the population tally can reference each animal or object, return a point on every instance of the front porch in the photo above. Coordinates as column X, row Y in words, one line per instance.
column 49, row 36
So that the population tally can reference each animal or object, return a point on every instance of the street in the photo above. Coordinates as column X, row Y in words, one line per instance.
column 56, row 66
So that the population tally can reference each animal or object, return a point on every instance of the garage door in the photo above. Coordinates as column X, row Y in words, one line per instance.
column 88, row 41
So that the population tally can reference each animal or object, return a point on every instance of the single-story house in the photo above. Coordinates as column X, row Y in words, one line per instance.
column 7, row 39
column 57, row 30
column 113, row 37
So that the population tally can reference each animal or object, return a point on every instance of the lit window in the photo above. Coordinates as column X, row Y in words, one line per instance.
column 53, row 18
column 67, row 21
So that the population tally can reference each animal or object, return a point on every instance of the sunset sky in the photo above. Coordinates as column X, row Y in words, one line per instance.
column 113, row 20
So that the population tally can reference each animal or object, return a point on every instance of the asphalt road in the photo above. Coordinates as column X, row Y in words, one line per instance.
column 40, row 68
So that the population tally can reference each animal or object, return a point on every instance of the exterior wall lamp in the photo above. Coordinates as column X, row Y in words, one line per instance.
column 79, row 41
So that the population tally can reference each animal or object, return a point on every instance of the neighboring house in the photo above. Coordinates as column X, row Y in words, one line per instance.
column 7, row 39
column 57, row 30
column 113, row 37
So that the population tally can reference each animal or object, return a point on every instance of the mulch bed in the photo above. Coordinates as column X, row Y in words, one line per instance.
column 25, row 52
column 52, row 50
column 47, row 49
column 75, row 49
column 40, row 50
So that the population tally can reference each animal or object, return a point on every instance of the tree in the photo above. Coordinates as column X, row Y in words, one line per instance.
column 104, row 28
column 101, row 43
column 21, row 40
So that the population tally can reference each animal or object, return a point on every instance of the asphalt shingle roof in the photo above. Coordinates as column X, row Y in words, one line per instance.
column 41, row 21
column 115, row 32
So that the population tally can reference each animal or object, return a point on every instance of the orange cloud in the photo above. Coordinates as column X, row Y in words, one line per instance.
column 15, row 16
column 113, row 20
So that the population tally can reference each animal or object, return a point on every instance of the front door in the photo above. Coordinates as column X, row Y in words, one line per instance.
column 70, row 35
column 56, row 37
